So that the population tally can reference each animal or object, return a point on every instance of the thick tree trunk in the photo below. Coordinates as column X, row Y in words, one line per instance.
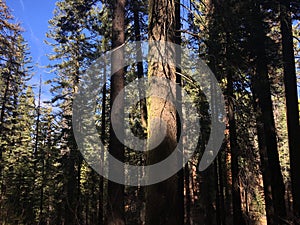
column 267, row 139
column 163, row 200
column 292, row 112
column 116, row 148
column 265, row 170
column 235, row 151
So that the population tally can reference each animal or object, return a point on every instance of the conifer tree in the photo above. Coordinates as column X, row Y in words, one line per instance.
column 74, row 50
column 16, row 121
column 273, row 180
column 290, row 83
column 163, row 200
column 116, row 191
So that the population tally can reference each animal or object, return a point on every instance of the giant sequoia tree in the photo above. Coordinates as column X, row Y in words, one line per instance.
column 163, row 199
column 290, row 83
column 273, row 181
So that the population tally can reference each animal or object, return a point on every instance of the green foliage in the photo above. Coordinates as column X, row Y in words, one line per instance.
column 43, row 177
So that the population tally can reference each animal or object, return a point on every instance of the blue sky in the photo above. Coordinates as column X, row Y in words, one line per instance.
column 33, row 15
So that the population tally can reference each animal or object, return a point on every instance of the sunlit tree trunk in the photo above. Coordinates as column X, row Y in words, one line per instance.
column 163, row 200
